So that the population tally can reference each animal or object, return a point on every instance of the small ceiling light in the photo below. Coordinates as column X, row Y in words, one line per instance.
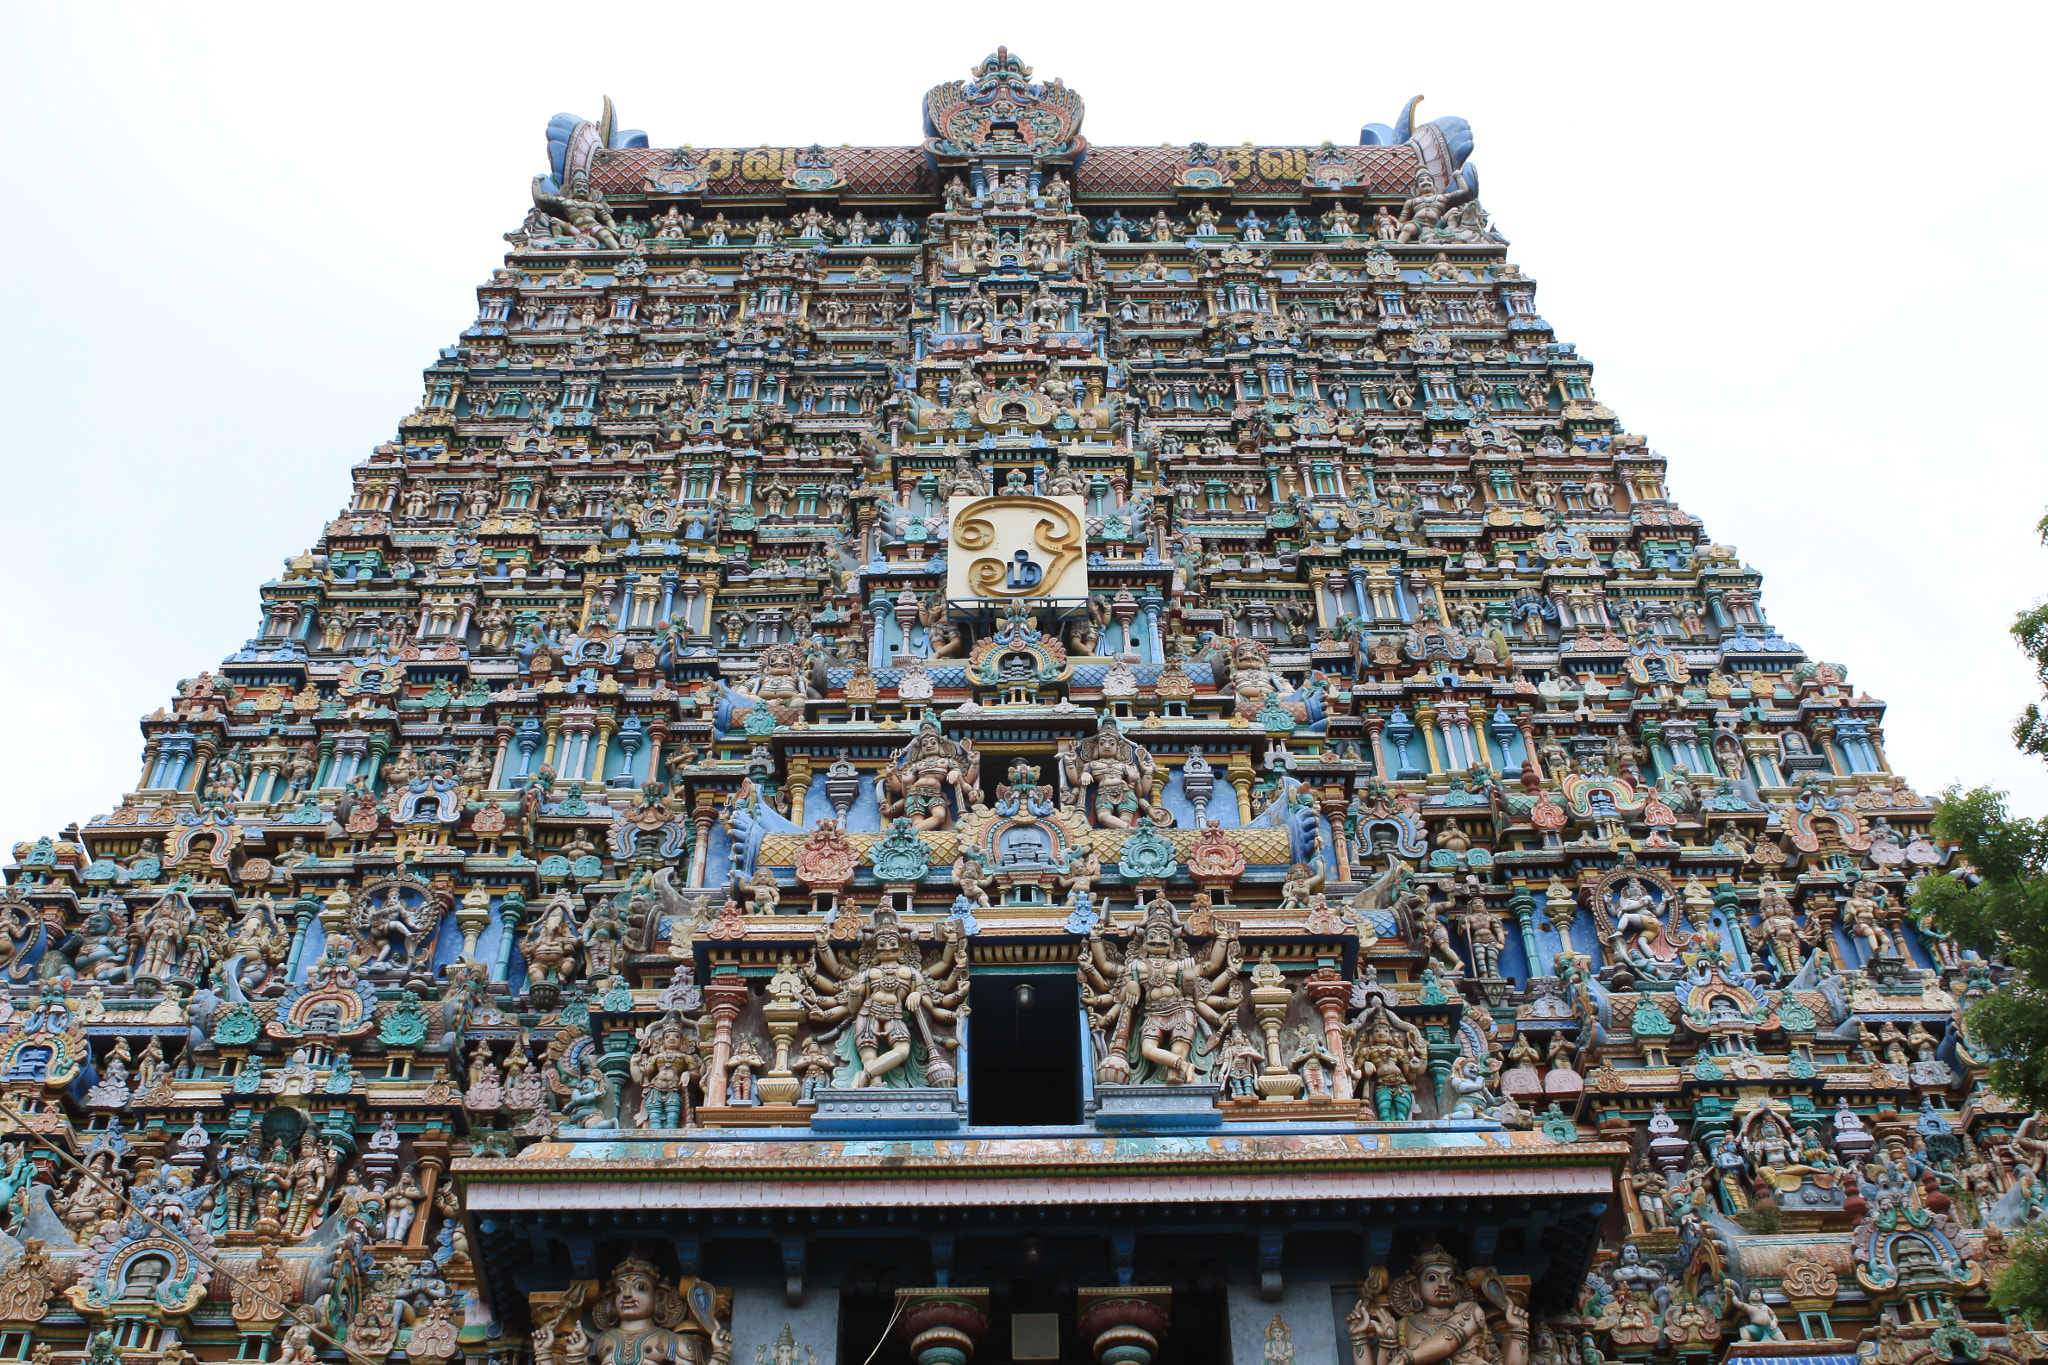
column 1025, row 995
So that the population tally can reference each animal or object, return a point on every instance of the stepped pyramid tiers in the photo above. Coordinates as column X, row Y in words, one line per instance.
column 1011, row 749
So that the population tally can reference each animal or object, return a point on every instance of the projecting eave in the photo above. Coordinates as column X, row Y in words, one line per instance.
column 955, row 1171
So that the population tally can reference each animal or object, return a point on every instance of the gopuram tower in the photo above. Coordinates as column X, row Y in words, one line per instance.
column 1001, row 750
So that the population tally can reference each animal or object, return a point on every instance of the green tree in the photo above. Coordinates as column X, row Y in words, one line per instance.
column 1998, row 904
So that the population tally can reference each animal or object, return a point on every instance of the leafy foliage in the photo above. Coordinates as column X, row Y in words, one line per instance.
column 2001, row 908
column 1997, row 903
column 2024, row 1284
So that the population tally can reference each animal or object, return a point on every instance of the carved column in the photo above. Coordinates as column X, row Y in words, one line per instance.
column 471, row 917
column 725, row 997
column 1328, row 993
column 607, row 725
column 943, row 1325
column 799, row 787
column 1240, row 775
column 1523, row 904
column 510, row 911
column 1333, row 809
column 657, row 736
column 1374, row 723
column 1425, row 721
column 1124, row 1326
column 431, row 1165
column 1475, row 715
column 703, row 815
column 1270, row 999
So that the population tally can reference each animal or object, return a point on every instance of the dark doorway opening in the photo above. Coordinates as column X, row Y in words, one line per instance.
column 1025, row 1058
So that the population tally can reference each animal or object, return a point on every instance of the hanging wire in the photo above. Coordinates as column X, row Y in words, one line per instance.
column 880, row 1341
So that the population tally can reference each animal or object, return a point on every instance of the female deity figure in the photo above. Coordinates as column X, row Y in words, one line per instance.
column 883, row 996
column 644, row 1322
column 1431, row 1317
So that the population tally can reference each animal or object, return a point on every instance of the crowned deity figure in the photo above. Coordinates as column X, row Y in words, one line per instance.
column 644, row 1322
column 914, row 786
column 1159, row 997
column 903, row 1011
column 1432, row 1316
column 665, row 1061
column 1120, row 774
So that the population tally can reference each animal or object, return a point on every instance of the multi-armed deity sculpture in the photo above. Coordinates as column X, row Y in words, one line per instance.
column 1118, row 723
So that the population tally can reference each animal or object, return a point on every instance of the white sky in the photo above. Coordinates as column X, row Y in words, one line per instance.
column 1799, row 241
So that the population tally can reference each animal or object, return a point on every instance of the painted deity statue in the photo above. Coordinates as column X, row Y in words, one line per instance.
column 1251, row 679
column 915, row 785
column 902, row 1011
column 1119, row 773
column 1159, row 997
column 1431, row 1316
column 644, row 1322
column 664, row 1062
column 1388, row 1055
column 779, row 680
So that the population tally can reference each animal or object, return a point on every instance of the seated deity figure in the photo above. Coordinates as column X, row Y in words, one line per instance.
column 780, row 678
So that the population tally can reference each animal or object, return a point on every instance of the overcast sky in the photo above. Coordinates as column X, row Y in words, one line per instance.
column 1800, row 242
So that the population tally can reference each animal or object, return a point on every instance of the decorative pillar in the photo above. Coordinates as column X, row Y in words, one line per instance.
column 302, row 920
column 430, row 1179
column 1270, row 996
column 1425, row 720
column 1503, row 731
column 471, row 917
column 511, row 910
column 703, row 814
column 1239, row 774
column 1474, row 726
column 1824, row 731
column 380, row 744
column 504, row 738
column 1333, row 810
column 1329, row 993
column 1374, row 724
column 551, row 727
column 150, row 749
column 943, row 1325
column 725, row 997
column 1124, row 1326
column 799, row 787
column 1523, row 904
column 607, row 726
column 203, row 749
